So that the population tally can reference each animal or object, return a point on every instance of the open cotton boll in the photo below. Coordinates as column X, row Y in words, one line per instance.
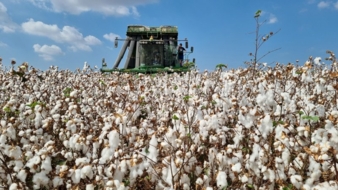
column 57, row 181
column 13, row 186
column 32, row 162
column 296, row 180
column 76, row 177
column 15, row 152
column 3, row 123
column 153, row 152
column 237, row 167
column 90, row 187
column 221, row 180
column 22, row 175
column 11, row 132
column 266, row 126
column 46, row 164
column 73, row 93
column 40, row 180
column 87, row 171
column 82, row 161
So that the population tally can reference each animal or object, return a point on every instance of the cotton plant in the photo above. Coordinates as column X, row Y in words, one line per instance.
column 196, row 130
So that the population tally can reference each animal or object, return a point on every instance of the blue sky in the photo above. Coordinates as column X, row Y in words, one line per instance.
column 68, row 33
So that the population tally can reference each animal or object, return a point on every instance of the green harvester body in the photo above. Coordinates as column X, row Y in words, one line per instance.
column 151, row 50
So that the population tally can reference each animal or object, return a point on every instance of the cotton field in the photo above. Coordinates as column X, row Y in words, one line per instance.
column 275, row 128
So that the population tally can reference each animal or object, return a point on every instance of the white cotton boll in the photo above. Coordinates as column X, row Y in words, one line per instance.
column 111, row 183
column 66, row 143
column 22, row 175
column 57, row 181
column 63, row 168
column 73, row 93
column 33, row 161
column 87, row 171
column 69, row 156
column 317, row 60
column 266, row 126
column 324, row 157
column 90, row 101
column 46, row 165
column 76, row 177
column 153, row 152
column 15, row 152
column 244, row 179
column 90, row 187
column 198, row 170
column 221, row 180
column 18, row 164
column 40, row 179
column 114, row 140
column 296, row 180
column 105, row 155
column 186, row 186
column 37, row 119
column 123, row 166
column 334, row 113
column 237, row 167
column 3, row 123
column 13, row 186
column 82, row 161
column 11, row 132
column 21, row 133
column 56, row 116
column 199, row 181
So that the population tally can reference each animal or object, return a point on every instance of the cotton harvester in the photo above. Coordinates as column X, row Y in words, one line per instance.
column 151, row 50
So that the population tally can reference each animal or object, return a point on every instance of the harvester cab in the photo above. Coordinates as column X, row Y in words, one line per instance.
column 151, row 50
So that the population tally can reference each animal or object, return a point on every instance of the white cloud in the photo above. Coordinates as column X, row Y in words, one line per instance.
column 111, row 36
column 91, row 40
column 272, row 19
column 3, row 44
column 336, row 5
column 44, row 4
column 6, row 24
column 67, row 34
column 47, row 52
column 107, row 7
column 323, row 4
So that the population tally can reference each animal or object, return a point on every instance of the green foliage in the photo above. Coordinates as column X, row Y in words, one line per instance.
column 10, row 113
column 186, row 98
column 102, row 83
column 258, row 13
column 213, row 102
column 221, row 66
column 275, row 123
column 175, row 117
column 34, row 104
column 311, row 118
column 126, row 182
column 298, row 72
column 250, row 186
column 289, row 187
column 7, row 109
column 66, row 92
